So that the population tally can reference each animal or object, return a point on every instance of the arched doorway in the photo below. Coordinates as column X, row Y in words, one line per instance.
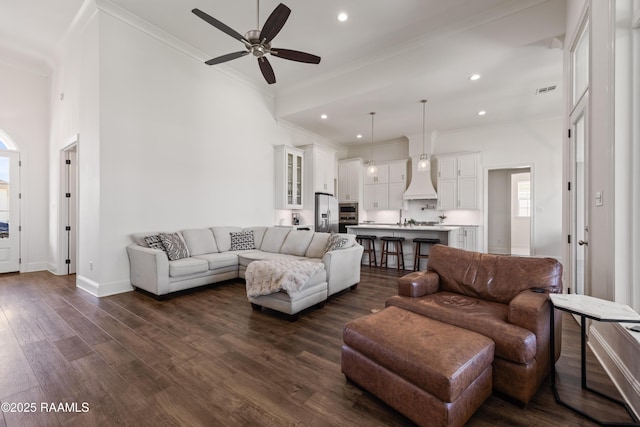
column 9, row 204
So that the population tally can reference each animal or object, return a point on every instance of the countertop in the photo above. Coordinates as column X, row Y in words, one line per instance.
column 403, row 228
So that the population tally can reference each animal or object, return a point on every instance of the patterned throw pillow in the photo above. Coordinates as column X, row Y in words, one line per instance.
column 154, row 242
column 336, row 241
column 174, row 245
column 242, row 240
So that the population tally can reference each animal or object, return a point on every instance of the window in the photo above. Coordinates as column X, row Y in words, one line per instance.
column 580, row 65
column 524, row 199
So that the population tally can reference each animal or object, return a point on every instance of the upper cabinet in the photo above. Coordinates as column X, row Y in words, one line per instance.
column 458, row 181
column 385, row 190
column 320, row 164
column 289, row 169
column 350, row 181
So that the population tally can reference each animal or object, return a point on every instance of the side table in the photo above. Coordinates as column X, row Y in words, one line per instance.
column 596, row 309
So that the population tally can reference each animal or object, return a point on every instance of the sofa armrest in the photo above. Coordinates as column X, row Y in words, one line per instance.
column 343, row 268
column 419, row 284
column 148, row 269
column 530, row 310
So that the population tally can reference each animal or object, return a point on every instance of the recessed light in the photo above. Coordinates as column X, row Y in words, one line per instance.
column 474, row 77
column 482, row 113
column 342, row 16
column 359, row 136
column 324, row 116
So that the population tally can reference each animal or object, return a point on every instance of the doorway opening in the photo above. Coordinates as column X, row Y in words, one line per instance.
column 10, row 228
column 509, row 211
column 69, row 207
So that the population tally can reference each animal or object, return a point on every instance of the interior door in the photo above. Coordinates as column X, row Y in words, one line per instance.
column 579, row 209
column 9, row 211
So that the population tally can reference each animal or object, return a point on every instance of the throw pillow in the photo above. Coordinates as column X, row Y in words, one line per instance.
column 174, row 245
column 154, row 242
column 335, row 242
column 242, row 240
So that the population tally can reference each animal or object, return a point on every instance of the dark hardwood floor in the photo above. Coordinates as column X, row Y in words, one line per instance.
column 205, row 358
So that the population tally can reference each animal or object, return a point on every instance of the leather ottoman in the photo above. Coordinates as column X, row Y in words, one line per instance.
column 434, row 373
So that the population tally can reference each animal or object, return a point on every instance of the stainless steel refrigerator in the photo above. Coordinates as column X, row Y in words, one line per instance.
column 326, row 213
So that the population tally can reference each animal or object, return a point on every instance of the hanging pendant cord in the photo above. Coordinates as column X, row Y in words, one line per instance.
column 424, row 105
column 372, row 114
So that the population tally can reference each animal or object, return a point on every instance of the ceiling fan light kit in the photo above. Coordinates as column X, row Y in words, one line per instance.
column 258, row 42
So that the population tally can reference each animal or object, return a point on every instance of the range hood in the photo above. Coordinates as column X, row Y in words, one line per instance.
column 421, row 187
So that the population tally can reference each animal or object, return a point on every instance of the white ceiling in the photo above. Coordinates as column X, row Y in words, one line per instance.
column 385, row 58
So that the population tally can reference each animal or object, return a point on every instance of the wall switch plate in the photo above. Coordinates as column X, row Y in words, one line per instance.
column 599, row 201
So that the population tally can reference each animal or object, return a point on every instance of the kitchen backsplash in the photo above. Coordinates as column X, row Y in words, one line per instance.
column 418, row 211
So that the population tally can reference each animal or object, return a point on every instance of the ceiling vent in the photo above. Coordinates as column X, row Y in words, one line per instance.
column 544, row 90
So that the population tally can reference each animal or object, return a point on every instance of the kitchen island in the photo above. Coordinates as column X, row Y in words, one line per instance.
column 448, row 235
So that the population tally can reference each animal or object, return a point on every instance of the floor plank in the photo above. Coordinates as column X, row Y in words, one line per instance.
column 206, row 358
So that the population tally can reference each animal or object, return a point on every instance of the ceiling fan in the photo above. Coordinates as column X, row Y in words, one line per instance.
column 258, row 42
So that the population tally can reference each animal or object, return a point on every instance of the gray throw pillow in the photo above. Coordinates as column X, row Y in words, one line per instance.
column 174, row 245
column 336, row 241
column 154, row 242
column 242, row 240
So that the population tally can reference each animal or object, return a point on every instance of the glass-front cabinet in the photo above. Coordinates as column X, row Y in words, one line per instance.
column 289, row 177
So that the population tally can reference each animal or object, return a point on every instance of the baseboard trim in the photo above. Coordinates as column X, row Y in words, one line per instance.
column 611, row 361
column 104, row 289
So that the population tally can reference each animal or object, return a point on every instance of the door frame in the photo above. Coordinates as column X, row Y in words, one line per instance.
column 485, row 233
column 63, row 214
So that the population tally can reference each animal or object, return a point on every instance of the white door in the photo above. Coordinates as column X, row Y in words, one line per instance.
column 579, row 212
column 9, row 211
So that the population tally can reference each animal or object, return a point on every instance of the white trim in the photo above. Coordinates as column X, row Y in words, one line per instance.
column 104, row 289
column 35, row 266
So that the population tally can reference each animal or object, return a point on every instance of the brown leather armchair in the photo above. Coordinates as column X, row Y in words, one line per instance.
column 502, row 297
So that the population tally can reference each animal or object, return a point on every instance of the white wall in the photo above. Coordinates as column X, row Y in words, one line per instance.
column 24, row 116
column 166, row 143
column 535, row 143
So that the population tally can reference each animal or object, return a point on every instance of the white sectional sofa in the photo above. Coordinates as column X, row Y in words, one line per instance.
column 211, row 257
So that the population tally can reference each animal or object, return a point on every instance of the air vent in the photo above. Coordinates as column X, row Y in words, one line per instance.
column 544, row 90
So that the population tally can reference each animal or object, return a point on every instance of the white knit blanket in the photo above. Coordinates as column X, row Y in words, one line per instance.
column 272, row 275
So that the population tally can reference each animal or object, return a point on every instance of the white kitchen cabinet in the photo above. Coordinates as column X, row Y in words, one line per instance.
column 385, row 191
column 470, row 238
column 288, row 173
column 350, row 181
column 320, row 170
column 376, row 196
column 458, row 181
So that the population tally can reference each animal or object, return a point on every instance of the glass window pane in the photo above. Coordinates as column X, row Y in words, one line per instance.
column 4, row 197
column 3, row 146
column 580, row 63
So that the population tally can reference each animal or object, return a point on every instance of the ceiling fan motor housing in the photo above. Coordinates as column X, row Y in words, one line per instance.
column 257, row 49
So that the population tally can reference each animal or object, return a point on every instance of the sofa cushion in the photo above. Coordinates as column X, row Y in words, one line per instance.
column 242, row 240
column 273, row 239
column 223, row 237
column 297, row 242
column 258, row 234
column 245, row 258
column 174, row 245
column 200, row 241
column 318, row 245
column 485, row 317
column 186, row 266
column 219, row 260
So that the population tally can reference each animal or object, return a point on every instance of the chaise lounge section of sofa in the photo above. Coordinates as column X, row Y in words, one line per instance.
column 214, row 255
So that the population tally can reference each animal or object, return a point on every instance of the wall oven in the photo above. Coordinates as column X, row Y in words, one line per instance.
column 348, row 216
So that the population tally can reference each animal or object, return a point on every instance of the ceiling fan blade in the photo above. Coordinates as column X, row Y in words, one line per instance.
column 267, row 70
column 295, row 55
column 274, row 23
column 227, row 57
column 219, row 25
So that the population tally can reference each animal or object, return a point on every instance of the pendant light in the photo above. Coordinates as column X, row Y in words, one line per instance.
column 423, row 163
column 372, row 169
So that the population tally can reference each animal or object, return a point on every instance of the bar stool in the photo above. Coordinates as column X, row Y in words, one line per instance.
column 419, row 241
column 398, row 252
column 369, row 248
